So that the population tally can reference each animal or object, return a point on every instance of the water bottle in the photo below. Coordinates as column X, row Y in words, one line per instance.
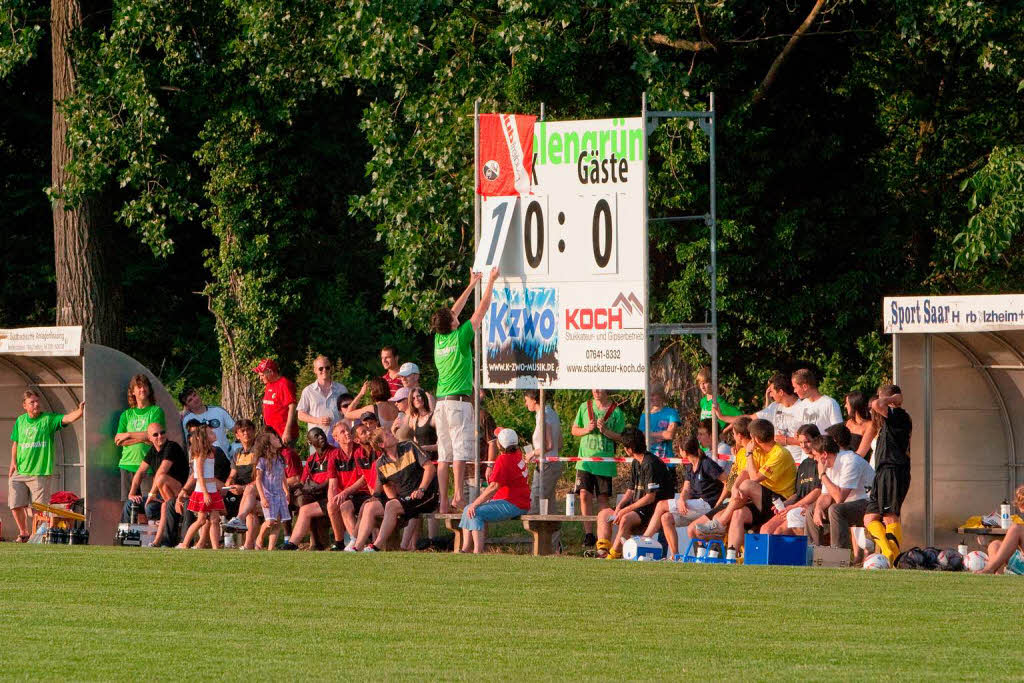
column 730, row 554
column 702, row 550
column 229, row 539
column 570, row 504
column 1004, row 515
column 962, row 548
column 713, row 553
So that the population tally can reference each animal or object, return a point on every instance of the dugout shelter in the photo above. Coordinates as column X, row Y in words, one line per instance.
column 54, row 362
column 960, row 363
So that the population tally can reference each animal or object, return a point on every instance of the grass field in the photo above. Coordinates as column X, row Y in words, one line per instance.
column 133, row 614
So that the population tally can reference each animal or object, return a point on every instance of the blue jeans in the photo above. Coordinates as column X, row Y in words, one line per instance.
column 491, row 511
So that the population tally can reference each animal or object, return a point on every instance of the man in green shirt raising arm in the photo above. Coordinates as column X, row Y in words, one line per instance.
column 30, row 476
column 453, row 356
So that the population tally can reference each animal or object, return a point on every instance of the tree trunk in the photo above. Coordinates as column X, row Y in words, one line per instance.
column 238, row 395
column 87, row 295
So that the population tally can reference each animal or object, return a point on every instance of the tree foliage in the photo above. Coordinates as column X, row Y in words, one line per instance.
column 319, row 155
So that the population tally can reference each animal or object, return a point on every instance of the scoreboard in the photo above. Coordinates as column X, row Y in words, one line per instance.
column 569, row 308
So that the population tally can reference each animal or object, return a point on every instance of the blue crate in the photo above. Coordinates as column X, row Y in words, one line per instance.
column 766, row 549
column 690, row 554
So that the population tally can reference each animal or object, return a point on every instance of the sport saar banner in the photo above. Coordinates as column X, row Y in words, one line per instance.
column 506, row 154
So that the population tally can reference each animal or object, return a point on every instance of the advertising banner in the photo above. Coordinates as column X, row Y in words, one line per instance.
column 981, row 313
column 42, row 341
column 568, row 309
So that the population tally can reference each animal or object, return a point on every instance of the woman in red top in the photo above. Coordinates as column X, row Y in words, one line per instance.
column 507, row 494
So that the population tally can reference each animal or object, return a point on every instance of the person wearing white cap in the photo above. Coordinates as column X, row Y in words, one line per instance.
column 507, row 494
column 410, row 376
column 401, row 428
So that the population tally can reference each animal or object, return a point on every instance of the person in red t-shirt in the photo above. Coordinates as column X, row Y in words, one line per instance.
column 320, row 470
column 389, row 359
column 357, row 475
column 507, row 494
column 279, row 401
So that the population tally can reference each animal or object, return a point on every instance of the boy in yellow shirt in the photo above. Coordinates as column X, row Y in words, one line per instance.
column 771, row 475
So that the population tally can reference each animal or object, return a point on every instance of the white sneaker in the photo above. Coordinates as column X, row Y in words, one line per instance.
column 369, row 549
column 351, row 547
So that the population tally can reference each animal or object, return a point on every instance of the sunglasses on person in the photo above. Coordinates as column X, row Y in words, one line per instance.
column 323, row 368
column 157, row 433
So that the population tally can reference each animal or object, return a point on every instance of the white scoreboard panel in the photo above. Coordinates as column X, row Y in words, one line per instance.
column 568, row 310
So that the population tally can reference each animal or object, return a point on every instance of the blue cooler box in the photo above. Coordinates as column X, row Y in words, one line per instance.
column 766, row 549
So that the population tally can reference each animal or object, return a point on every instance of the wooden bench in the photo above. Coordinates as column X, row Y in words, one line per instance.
column 980, row 532
column 543, row 528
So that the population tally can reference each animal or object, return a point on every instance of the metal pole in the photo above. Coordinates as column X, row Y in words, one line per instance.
column 476, row 301
column 647, row 285
column 714, row 274
column 543, row 425
column 543, row 451
column 929, row 523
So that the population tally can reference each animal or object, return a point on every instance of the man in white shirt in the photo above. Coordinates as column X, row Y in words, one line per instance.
column 818, row 409
column 318, row 403
column 845, row 477
column 214, row 417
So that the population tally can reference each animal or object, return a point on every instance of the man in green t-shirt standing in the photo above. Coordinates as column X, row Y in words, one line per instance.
column 598, row 422
column 30, row 476
column 453, row 356
column 131, row 433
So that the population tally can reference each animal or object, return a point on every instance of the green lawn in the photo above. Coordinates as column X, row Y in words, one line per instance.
column 135, row 614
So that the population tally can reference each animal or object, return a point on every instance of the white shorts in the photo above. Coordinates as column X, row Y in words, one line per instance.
column 696, row 507
column 454, row 421
column 796, row 518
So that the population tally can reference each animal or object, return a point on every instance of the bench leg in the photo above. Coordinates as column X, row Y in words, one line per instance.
column 542, row 533
column 453, row 526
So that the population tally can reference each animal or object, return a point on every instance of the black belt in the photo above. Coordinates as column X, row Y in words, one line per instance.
column 456, row 397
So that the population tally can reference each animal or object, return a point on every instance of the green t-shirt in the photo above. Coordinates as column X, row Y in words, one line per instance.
column 724, row 406
column 596, row 444
column 136, row 420
column 35, row 443
column 453, row 356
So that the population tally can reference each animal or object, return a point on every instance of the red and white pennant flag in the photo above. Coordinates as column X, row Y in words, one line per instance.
column 506, row 155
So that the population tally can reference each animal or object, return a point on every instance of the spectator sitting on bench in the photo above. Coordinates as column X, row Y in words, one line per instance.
column 408, row 477
column 241, row 482
column 703, row 526
column 844, row 477
column 770, row 474
column 170, row 472
column 356, row 478
column 649, row 481
column 317, row 474
column 792, row 519
column 1008, row 552
column 507, row 494
column 703, row 482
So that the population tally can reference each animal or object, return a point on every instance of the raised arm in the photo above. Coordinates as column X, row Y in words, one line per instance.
column 485, row 300
column 460, row 303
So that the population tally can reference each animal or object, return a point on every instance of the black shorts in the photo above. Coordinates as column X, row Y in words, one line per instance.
column 413, row 508
column 888, row 491
column 645, row 514
column 594, row 483
column 358, row 499
column 762, row 513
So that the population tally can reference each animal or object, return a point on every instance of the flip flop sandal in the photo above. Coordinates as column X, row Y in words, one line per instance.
column 23, row 538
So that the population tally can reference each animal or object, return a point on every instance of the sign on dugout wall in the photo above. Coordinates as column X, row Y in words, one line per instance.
column 944, row 314
column 569, row 308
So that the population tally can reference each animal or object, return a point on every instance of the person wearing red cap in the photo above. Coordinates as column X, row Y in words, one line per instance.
column 507, row 494
column 279, row 404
